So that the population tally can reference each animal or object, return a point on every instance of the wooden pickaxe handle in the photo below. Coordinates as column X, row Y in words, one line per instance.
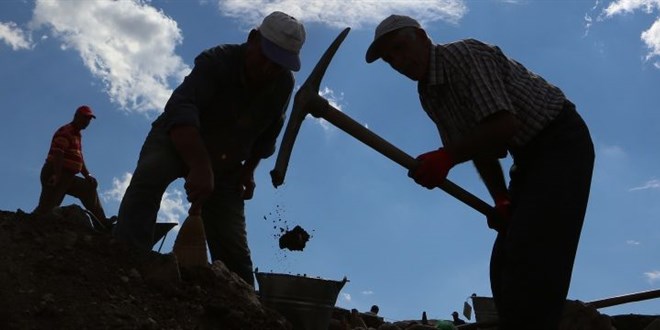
column 320, row 107
column 308, row 101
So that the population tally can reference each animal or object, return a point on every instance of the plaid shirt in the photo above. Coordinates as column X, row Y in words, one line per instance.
column 469, row 80
column 67, row 140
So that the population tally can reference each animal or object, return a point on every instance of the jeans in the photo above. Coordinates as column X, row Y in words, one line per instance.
column 532, row 261
column 223, row 213
column 69, row 184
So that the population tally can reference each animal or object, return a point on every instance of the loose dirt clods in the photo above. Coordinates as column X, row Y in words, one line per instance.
column 292, row 239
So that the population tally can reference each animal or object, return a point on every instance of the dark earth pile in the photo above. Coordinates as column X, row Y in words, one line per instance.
column 58, row 273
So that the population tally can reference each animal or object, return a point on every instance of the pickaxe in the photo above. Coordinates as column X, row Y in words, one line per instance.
column 308, row 101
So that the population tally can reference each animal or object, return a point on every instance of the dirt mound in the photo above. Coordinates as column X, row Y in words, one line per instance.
column 58, row 273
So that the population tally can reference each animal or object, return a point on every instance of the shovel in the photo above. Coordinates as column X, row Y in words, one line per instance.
column 190, row 244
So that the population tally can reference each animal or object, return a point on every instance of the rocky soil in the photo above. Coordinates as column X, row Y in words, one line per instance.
column 58, row 273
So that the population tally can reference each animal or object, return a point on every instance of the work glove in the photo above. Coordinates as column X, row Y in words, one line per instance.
column 503, row 211
column 433, row 168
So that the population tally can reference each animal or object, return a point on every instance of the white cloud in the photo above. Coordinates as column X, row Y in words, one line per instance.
column 629, row 6
column 612, row 151
column 653, row 276
column 346, row 296
column 632, row 242
column 334, row 101
column 650, row 37
column 651, row 184
column 14, row 36
column 367, row 292
column 587, row 25
column 129, row 45
column 173, row 207
column 342, row 13
column 118, row 189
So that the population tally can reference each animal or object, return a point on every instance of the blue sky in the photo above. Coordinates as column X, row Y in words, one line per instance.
column 401, row 246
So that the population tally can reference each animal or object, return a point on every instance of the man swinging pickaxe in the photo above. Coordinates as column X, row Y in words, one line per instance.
column 308, row 101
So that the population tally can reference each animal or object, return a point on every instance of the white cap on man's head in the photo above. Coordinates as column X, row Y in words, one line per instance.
column 390, row 24
column 283, row 37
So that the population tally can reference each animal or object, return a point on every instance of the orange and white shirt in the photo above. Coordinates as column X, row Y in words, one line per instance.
column 68, row 141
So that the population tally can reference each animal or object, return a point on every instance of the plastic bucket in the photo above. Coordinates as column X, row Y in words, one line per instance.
column 305, row 301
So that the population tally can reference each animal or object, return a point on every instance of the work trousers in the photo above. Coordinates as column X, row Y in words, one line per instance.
column 223, row 213
column 68, row 184
column 532, row 261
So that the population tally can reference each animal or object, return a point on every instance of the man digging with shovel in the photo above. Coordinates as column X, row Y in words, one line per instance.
column 217, row 125
column 485, row 104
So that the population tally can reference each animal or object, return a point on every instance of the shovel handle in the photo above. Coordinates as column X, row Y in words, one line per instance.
column 320, row 107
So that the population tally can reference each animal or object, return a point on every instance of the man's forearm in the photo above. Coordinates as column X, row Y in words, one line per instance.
column 188, row 143
column 488, row 140
column 84, row 171
column 492, row 175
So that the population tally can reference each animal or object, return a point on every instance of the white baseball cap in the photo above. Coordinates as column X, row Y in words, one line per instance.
column 283, row 36
column 390, row 24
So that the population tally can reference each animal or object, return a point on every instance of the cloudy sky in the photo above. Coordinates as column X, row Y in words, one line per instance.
column 401, row 246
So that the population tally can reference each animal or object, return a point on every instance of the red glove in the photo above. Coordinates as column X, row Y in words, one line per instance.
column 503, row 210
column 433, row 168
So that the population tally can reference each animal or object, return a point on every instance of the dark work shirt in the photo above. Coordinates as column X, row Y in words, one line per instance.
column 235, row 122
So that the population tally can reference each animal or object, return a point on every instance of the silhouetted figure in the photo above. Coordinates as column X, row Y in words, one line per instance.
column 218, row 124
column 355, row 320
column 486, row 106
column 374, row 310
column 63, row 163
column 456, row 320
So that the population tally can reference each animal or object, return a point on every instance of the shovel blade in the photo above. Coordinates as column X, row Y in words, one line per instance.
column 190, row 244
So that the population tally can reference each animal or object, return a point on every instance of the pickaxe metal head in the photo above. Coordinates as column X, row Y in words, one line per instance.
column 309, row 91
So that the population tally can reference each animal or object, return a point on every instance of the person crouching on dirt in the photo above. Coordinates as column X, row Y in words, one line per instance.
column 63, row 163
column 217, row 125
column 485, row 104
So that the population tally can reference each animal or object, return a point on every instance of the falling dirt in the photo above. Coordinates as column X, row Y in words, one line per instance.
column 294, row 240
